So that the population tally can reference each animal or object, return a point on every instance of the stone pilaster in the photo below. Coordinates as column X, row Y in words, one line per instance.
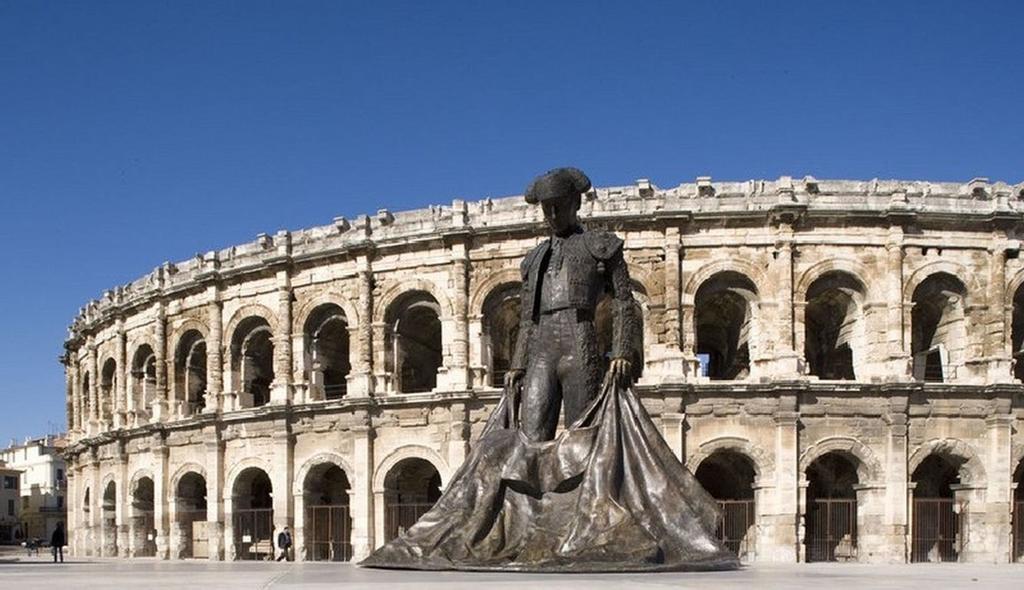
column 120, row 381
column 899, row 354
column 1000, row 359
column 160, row 495
column 360, row 379
column 94, row 388
column 458, row 368
column 215, row 515
column 898, row 496
column 281, row 476
column 787, row 359
column 998, row 520
column 282, row 388
column 779, row 543
column 160, row 404
column 215, row 353
column 363, row 498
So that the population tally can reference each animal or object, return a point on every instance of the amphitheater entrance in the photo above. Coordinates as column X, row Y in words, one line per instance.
column 252, row 515
column 830, row 520
column 729, row 477
column 108, row 522
column 724, row 308
column 410, row 489
column 252, row 361
column 936, row 533
column 190, row 516
column 413, row 342
column 833, row 326
column 938, row 332
column 1018, row 514
column 328, row 525
column 143, row 526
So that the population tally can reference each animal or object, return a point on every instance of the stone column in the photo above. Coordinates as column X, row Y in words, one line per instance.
column 69, row 395
column 124, row 511
column 362, row 495
column 94, row 388
column 1000, row 366
column 899, row 356
column 160, row 406
column 998, row 518
column 780, row 526
column 281, row 476
column 76, row 396
column 282, row 388
column 872, row 540
column 787, row 359
column 160, row 493
column 121, row 383
column 897, row 483
column 95, row 537
column 458, row 438
column 384, row 380
column 74, row 506
column 360, row 380
column 458, row 371
column 672, row 427
column 215, row 514
column 214, row 353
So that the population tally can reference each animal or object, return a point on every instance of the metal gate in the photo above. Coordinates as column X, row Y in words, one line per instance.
column 193, row 527
column 1018, row 531
column 254, row 529
column 328, row 533
column 733, row 527
column 145, row 534
column 831, row 529
column 937, row 530
column 399, row 516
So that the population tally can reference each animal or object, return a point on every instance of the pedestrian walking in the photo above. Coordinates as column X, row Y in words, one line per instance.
column 284, row 543
column 57, row 542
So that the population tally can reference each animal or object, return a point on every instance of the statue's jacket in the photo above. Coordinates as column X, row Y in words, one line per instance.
column 595, row 265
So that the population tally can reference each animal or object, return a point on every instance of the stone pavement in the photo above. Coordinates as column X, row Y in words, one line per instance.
column 151, row 574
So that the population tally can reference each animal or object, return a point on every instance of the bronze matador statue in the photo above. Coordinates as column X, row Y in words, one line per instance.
column 563, row 278
column 607, row 493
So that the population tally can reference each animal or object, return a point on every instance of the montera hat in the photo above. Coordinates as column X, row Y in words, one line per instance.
column 559, row 183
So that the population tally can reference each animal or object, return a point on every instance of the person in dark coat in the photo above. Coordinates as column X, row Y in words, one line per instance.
column 284, row 542
column 57, row 542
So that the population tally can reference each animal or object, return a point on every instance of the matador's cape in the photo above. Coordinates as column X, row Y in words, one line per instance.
column 607, row 495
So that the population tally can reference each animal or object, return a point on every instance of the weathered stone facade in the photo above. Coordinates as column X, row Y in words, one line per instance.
column 809, row 345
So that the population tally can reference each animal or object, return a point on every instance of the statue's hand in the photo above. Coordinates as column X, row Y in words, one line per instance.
column 514, row 379
column 620, row 372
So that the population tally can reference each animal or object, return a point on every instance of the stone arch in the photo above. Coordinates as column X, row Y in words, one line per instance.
column 109, row 477
column 1016, row 456
column 409, row 452
column 310, row 304
column 495, row 280
column 643, row 282
column 246, row 311
column 186, row 326
column 971, row 472
column 762, row 461
column 398, row 288
column 1015, row 283
column 181, row 472
column 743, row 266
column 135, row 343
column 316, row 460
column 237, row 468
column 869, row 468
column 922, row 273
column 139, row 474
column 849, row 266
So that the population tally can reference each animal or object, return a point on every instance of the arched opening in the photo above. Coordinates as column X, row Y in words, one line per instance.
column 500, row 330
column 936, row 534
column 724, row 309
column 1018, row 514
column 833, row 324
column 143, row 527
column 252, row 515
column 327, row 352
column 190, row 515
column 86, row 399
column 252, row 361
column 413, row 342
column 938, row 334
column 1017, row 333
column 190, row 372
column 729, row 477
column 143, row 384
column 830, row 519
column 410, row 489
column 328, row 527
column 108, row 380
column 108, row 515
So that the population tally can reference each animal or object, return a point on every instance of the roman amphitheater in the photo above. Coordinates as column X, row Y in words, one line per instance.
column 836, row 361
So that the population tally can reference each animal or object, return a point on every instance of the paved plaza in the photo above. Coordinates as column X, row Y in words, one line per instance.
column 152, row 574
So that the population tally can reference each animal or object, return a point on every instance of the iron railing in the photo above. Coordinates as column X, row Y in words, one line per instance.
column 328, row 533
column 1018, row 531
column 936, row 535
column 253, row 532
column 831, row 529
column 399, row 516
column 734, row 527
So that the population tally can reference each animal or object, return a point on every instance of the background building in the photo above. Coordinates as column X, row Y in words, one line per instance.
column 10, row 504
column 835, row 360
column 43, row 483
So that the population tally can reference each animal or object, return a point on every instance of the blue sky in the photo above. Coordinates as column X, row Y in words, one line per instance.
column 137, row 132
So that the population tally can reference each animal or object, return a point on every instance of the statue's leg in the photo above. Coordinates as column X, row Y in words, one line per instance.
column 542, row 395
